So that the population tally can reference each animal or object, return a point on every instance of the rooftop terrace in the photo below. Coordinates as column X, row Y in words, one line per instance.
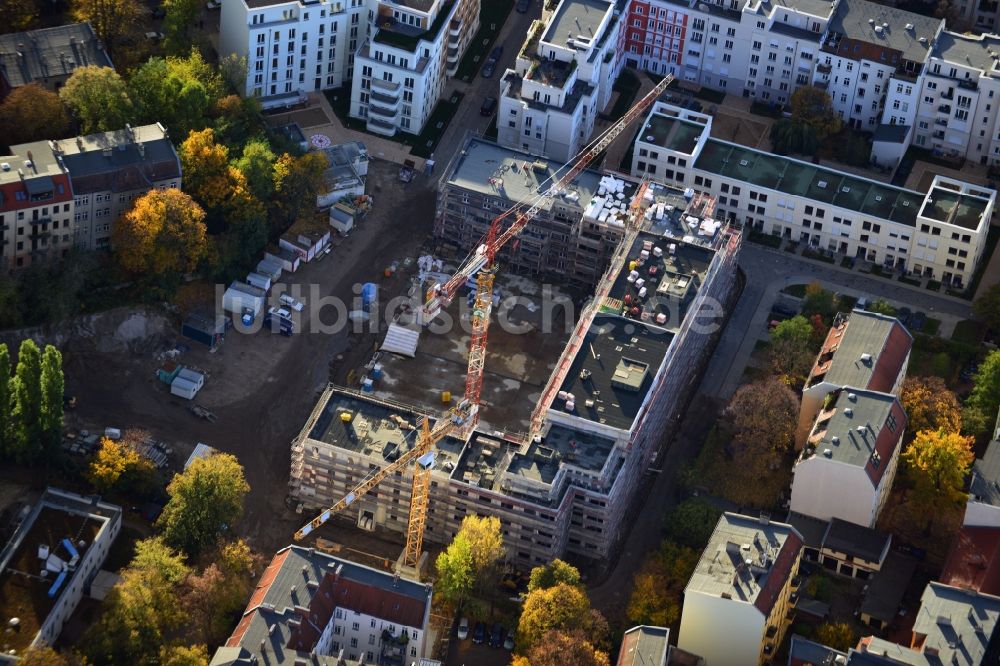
column 577, row 18
column 950, row 207
column 795, row 177
column 391, row 32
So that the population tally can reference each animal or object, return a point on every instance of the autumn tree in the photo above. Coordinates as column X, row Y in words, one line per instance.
column 257, row 166
column 32, row 113
column 659, row 585
column 26, row 402
column 929, row 405
column 818, row 300
column 790, row 353
column 812, row 106
column 552, row 574
column 882, row 307
column 47, row 656
column 111, row 19
column 471, row 557
column 206, row 168
column 17, row 15
column 119, row 466
column 456, row 575
column 236, row 119
column 179, row 92
column 560, row 608
column 986, row 307
column 837, row 635
column 937, row 462
column 98, row 97
column 981, row 406
column 162, row 234
column 205, row 502
column 215, row 598
column 764, row 411
column 53, row 388
column 142, row 611
column 297, row 182
column 183, row 655
column 562, row 648
column 692, row 522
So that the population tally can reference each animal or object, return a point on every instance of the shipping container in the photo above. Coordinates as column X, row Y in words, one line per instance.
column 240, row 298
column 183, row 388
column 259, row 281
column 196, row 378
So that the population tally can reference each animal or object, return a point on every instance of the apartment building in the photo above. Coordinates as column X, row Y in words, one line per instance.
column 617, row 384
column 741, row 585
column 843, row 547
column 862, row 349
column 59, row 195
column 48, row 56
column 401, row 70
column 66, row 537
column 312, row 607
column 983, row 506
column 940, row 234
column 644, row 646
column 562, row 78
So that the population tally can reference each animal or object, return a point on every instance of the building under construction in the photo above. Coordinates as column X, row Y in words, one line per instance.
column 659, row 267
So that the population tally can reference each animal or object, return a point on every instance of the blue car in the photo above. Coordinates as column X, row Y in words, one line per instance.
column 496, row 635
column 479, row 635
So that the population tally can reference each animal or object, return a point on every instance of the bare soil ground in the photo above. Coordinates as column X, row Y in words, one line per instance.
column 261, row 386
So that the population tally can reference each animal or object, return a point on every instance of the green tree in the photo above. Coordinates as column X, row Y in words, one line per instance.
column 837, row 635
column 486, row 542
column 692, row 522
column 882, row 306
column 205, row 502
column 937, row 463
column 142, row 610
column 6, row 440
column 179, row 92
column 929, row 405
column 257, row 166
column 178, row 23
column 237, row 119
column 983, row 402
column 26, row 395
column 790, row 354
column 111, row 19
column 456, row 575
column 797, row 329
column 99, row 99
column 987, row 306
column 560, row 608
column 819, row 301
column 790, row 136
column 812, row 106
column 32, row 113
column 297, row 182
column 53, row 388
column 470, row 559
column 552, row 574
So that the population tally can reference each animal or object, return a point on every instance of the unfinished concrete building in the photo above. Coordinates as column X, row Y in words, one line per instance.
column 562, row 474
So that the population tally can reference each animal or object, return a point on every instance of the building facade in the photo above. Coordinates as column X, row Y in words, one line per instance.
column 59, row 195
column 562, row 78
column 311, row 605
column 742, row 583
column 939, row 234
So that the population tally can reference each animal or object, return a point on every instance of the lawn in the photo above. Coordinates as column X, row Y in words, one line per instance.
column 933, row 356
column 492, row 16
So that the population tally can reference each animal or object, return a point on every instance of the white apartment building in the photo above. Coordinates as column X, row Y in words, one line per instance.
column 293, row 47
column 849, row 461
column 940, row 234
column 736, row 600
column 310, row 607
column 401, row 69
column 562, row 79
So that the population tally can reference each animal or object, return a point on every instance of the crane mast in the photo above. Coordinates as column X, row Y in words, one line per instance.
column 461, row 420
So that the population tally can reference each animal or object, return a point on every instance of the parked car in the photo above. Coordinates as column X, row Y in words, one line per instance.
column 496, row 52
column 489, row 68
column 522, row 6
column 213, row 4
column 489, row 106
column 508, row 642
column 479, row 634
column 154, row 36
column 496, row 635
column 286, row 299
column 463, row 629
column 280, row 313
column 917, row 321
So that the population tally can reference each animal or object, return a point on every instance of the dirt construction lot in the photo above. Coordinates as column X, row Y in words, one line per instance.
column 261, row 386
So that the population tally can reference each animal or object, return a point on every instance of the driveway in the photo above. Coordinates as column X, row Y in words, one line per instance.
column 769, row 271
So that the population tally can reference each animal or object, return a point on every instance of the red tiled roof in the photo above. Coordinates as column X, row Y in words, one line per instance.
column 258, row 597
column 8, row 194
column 974, row 560
column 780, row 572
column 886, row 444
column 890, row 360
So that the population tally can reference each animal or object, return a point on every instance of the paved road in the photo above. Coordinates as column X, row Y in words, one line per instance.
column 768, row 272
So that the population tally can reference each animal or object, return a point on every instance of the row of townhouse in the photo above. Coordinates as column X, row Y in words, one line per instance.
column 394, row 56
column 940, row 234
column 59, row 195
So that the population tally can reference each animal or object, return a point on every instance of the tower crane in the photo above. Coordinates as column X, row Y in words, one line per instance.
column 462, row 419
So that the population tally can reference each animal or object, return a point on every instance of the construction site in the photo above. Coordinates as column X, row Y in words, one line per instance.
column 561, row 417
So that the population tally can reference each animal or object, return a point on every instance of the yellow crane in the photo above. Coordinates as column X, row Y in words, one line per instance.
column 463, row 418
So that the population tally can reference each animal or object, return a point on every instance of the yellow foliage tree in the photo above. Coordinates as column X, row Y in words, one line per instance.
column 937, row 462
column 111, row 19
column 559, row 608
column 659, row 584
column 207, row 174
column 163, row 233
column 117, row 463
column 930, row 405
column 561, row 648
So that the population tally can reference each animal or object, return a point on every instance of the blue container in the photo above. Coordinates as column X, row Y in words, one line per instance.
column 369, row 292
column 377, row 371
column 247, row 319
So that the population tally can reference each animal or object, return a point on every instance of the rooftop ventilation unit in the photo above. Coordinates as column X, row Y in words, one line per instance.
column 835, row 440
column 878, row 197
column 866, row 358
column 852, row 396
column 828, row 453
column 5, row 166
column 848, row 412
column 879, row 30
column 744, row 162
column 909, row 26
column 922, row 40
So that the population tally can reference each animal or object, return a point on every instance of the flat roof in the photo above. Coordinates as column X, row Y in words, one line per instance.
column 512, row 175
column 849, row 435
column 36, row 55
column 974, row 560
column 856, row 540
column 950, row 207
column 576, row 17
column 892, row 133
column 959, row 624
column 542, row 460
column 375, row 428
column 58, row 516
column 644, row 646
column 676, row 134
column 798, row 178
column 614, row 370
column 861, row 333
column 671, row 280
column 857, row 19
column 888, row 586
column 967, row 50
column 723, row 569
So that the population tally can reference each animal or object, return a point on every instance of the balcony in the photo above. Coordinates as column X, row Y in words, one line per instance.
column 942, row 122
column 381, row 127
column 948, row 94
column 387, row 86
column 968, row 84
column 938, row 134
column 823, row 68
column 944, row 108
column 455, row 29
column 388, row 101
column 387, row 114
